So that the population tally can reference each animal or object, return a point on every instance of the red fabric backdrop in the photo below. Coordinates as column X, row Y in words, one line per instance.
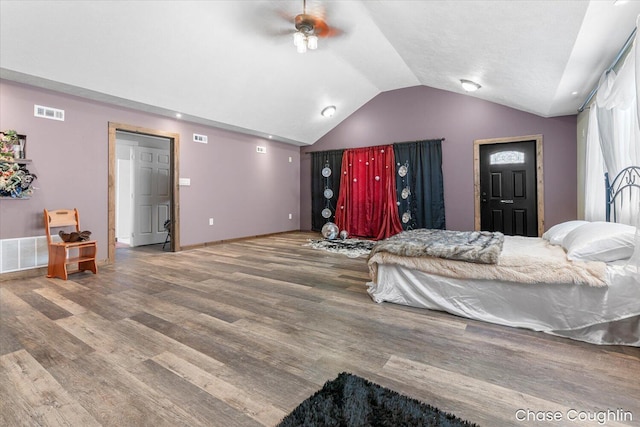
column 367, row 201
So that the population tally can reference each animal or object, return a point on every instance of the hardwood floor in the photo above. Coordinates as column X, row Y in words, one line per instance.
column 238, row 334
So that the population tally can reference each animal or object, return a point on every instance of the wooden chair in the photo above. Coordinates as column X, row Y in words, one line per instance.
column 59, row 251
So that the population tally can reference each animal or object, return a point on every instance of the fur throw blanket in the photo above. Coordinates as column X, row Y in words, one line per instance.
column 75, row 236
column 481, row 247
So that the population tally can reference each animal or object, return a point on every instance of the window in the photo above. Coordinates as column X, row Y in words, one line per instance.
column 506, row 157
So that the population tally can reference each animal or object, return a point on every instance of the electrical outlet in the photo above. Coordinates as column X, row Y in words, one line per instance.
column 290, row 216
column 210, row 221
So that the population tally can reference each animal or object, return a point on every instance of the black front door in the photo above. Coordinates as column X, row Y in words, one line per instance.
column 508, row 194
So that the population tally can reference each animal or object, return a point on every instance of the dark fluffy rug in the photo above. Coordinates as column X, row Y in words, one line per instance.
column 352, row 248
column 353, row 401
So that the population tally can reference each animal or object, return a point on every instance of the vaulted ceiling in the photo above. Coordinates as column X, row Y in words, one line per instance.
column 232, row 64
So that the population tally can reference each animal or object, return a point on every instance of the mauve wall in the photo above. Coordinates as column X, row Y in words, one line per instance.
column 245, row 192
column 421, row 112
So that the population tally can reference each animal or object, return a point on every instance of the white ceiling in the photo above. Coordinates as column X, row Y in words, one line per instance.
column 232, row 64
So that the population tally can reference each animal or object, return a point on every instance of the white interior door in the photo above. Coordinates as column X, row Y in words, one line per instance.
column 124, row 193
column 152, row 195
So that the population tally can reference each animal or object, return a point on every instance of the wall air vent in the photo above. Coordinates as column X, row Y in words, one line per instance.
column 200, row 138
column 48, row 113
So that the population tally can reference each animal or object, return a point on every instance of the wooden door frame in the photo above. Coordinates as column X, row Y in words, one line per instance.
column 539, row 175
column 174, row 150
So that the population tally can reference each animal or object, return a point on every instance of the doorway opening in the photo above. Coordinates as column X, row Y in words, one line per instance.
column 509, row 185
column 143, row 189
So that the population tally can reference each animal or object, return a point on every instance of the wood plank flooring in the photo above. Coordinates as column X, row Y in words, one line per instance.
column 238, row 334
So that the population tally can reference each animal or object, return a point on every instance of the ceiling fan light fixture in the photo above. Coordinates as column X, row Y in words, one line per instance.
column 328, row 111
column 312, row 42
column 306, row 35
column 302, row 46
column 304, row 40
column 298, row 38
column 469, row 85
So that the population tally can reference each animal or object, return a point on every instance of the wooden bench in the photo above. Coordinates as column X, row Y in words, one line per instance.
column 59, row 251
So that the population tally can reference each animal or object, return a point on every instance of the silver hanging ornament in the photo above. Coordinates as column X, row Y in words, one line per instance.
column 405, row 192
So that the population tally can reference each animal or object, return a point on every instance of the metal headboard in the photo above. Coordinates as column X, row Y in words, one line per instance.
column 628, row 178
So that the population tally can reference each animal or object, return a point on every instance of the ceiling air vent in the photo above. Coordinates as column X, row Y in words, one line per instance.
column 200, row 138
column 48, row 113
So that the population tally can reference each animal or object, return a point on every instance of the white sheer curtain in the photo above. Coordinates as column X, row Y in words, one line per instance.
column 594, row 198
column 613, row 140
column 634, row 262
column 613, row 143
column 637, row 52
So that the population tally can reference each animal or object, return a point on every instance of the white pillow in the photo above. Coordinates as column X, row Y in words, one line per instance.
column 634, row 262
column 556, row 234
column 600, row 241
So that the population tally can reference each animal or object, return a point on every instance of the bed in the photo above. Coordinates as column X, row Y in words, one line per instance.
column 580, row 280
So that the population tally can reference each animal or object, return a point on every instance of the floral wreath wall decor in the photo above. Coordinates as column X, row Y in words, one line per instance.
column 15, row 179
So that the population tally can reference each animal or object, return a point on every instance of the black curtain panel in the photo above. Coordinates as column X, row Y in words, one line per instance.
column 325, row 185
column 419, row 184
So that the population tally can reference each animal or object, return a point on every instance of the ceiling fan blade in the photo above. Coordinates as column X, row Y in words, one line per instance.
column 286, row 20
column 323, row 30
column 320, row 13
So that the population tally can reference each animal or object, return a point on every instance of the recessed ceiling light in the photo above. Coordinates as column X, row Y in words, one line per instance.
column 574, row 93
column 270, row 136
column 178, row 115
column 469, row 86
column 328, row 111
column 619, row 2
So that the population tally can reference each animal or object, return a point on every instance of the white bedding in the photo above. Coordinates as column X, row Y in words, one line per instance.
column 580, row 312
column 523, row 259
column 602, row 314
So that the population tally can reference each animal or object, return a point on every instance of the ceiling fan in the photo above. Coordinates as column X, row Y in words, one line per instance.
column 309, row 27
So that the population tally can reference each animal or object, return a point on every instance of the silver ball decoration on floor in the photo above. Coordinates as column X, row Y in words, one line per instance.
column 330, row 231
column 344, row 234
